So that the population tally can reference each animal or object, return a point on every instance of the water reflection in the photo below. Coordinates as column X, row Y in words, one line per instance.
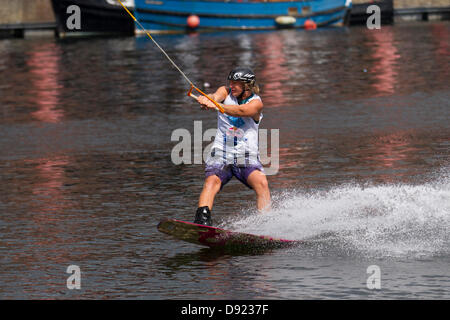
column 48, row 190
column 274, row 73
column 44, row 63
column 440, row 35
column 42, row 242
column 247, row 56
column 221, row 272
column 391, row 149
column 384, row 55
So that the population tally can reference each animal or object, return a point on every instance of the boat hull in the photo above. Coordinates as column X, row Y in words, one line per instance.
column 96, row 17
column 171, row 15
column 359, row 15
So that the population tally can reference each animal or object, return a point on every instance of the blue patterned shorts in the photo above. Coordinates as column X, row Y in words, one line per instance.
column 226, row 171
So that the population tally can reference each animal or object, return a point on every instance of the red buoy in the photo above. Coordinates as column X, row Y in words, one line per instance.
column 193, row 21
column 310, row 25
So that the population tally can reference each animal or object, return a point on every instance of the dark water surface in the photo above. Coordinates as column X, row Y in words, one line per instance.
column 86, row 171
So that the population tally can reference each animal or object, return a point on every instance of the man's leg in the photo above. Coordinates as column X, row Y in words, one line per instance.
column 210, row 188
column 216, row 177
column 258, row 181
column 205, row 202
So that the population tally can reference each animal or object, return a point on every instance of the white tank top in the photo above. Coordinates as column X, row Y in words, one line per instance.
column 236, row 140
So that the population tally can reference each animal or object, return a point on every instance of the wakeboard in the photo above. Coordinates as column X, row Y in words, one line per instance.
column 214, row 237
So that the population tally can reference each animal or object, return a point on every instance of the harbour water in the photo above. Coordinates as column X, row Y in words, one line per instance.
column 86, row 171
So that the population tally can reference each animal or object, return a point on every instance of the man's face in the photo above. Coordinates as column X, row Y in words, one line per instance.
column 237, row 87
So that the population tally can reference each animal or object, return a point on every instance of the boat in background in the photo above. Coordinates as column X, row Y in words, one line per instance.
column 97, row 17
column 171, row 16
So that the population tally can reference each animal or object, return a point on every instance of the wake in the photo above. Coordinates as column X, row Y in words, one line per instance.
column 377, row 220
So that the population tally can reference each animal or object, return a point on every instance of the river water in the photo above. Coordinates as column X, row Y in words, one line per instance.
column 87, row 166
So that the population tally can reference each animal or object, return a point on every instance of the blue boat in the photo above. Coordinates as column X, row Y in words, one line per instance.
column 167, row 16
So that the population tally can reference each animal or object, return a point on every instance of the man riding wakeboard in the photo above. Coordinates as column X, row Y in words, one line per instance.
column 235, row 150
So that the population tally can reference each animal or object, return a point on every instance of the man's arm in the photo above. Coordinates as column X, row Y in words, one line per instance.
column 251, row 109
column 219, row 95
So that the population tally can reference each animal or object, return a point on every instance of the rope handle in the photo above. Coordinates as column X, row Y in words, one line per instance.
column 218, row 106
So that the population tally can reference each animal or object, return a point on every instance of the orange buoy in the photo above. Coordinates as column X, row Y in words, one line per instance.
column 193, row 21
column 310, row 25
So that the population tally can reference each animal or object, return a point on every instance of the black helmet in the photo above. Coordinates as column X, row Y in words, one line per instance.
column 241, row 74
